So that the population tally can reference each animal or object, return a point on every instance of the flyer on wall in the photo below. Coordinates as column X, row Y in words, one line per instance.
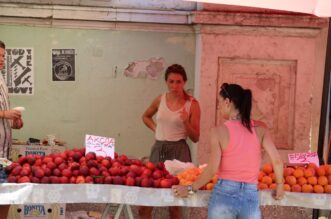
column 18, row 71
column 63, row 64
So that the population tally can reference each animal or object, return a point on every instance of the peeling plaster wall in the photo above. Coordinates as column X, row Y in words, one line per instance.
column 102, row 101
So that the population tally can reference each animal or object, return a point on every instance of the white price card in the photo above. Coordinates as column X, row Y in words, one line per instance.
column 101, row 146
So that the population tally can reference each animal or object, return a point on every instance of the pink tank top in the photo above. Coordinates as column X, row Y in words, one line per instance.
column 240, row 161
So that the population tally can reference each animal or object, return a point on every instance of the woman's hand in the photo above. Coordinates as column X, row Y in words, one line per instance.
column 17, row 123
column 279, row 193
column 180, row 191
column 184, row 115
column 11, row 114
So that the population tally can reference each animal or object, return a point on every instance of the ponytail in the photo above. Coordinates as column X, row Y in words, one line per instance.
column 245, row 109
column 242, row 100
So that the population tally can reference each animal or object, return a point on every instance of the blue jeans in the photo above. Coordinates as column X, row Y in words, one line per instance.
column 234, row 200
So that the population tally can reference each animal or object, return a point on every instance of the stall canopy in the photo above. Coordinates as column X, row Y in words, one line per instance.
column 320, row 8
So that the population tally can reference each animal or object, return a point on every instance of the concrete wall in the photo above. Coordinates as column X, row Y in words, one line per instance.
column 101, row 101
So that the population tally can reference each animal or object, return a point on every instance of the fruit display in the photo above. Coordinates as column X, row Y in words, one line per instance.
column 187, row 177
column 307, row 179
column 73, row 166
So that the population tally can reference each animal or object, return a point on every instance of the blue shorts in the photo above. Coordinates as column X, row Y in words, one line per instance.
column 234, row 200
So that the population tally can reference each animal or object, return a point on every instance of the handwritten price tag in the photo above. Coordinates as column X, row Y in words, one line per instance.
column 303, row 158
column 101, row 146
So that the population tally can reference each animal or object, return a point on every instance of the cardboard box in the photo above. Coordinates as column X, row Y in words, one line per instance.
column 23, row 150
column 37, row 211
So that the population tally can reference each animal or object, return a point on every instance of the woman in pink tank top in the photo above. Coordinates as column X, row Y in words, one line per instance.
column 235, row 156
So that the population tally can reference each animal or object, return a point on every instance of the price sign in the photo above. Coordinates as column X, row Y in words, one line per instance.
column 101, row 146
column 303, row 158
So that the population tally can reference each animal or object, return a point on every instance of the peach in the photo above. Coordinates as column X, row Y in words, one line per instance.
column 298, row 172
column 262, row 186
column 309, row 172
column 267, row 180
column 320, row 171
column 307, row 188
column 327, row 189
column 291, row 180
column 318, row 189
column 288, row 171
column 322, row 180
column 302, row 180
column 267, row 168
column 296, row 188
column 312, row 180
column 287, row 187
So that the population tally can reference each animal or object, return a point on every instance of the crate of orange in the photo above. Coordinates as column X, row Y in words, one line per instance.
column 298, row 178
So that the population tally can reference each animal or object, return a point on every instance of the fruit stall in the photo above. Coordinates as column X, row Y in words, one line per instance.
column 73, row 177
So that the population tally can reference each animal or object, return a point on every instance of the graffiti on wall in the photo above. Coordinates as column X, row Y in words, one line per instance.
column 18, row 71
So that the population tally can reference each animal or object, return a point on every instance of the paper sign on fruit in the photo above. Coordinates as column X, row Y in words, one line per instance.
column 101, row 146
column 308, row 157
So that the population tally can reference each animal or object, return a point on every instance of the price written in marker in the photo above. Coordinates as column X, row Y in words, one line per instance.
column 101, row 146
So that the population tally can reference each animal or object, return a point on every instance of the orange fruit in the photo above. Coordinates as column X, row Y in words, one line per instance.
column 307, row 188
column 267, row 168
column 288, row 171
column 312, row 180
column 327, row 189
column 318, row 189
column 302, row 180
column 261, row 175
column 309, row 172
column 296, row 188
column 291, row 180
column 322, row 180
column 312, row 165
column 287, row 187
column 298, row 172
column 329, row 179
column 210, row 186
column 328, row 169
column 262, row 186
column 267, row 180
column 273, row 186
column 320, row 171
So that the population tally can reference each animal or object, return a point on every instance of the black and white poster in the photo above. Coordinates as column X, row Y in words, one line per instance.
column 18, row 71
column 63, row 63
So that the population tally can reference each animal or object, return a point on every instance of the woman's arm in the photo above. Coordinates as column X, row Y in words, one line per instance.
column 277, row 162
column 210, row 170
column 193, row 123
column 150, row 112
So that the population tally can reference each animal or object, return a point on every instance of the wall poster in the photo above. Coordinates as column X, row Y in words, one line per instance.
column 18, row 71
column 63, row 64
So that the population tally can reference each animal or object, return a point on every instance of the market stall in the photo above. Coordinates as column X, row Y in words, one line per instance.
column 30, row 193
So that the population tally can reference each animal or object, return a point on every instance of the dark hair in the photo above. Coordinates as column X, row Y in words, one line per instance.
column 177, row 69
column 242, row 100
column 2, row 45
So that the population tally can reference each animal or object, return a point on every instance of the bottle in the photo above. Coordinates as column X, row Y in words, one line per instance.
column 3, row 175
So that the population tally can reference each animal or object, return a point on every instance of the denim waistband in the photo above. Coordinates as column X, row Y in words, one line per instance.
column 238, row 185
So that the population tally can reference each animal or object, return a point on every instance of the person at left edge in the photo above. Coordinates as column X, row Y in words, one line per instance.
column 9, row 119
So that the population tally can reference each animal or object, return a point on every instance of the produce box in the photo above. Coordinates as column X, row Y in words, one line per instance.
column 23, row 150
column 37, row 211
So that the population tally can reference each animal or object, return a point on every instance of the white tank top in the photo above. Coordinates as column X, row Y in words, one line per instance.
column 169, row 126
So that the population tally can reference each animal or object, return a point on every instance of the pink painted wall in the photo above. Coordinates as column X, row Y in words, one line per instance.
column 283, row 65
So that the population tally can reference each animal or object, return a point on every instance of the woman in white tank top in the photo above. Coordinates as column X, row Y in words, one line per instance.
column 177, row 117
